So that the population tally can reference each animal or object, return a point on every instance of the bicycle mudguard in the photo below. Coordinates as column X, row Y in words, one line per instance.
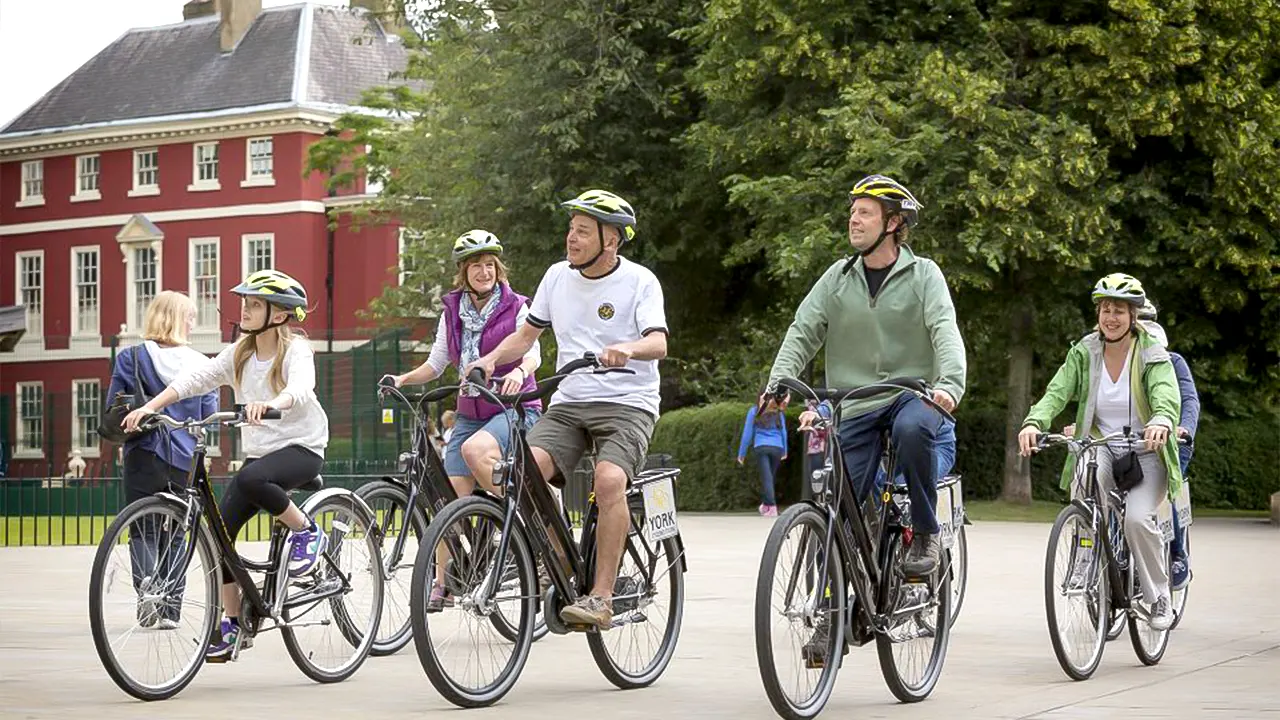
column 357, row 502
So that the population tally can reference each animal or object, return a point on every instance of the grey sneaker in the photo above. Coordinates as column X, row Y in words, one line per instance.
column 1161, row 615
column 589, row 610
column 814, row 652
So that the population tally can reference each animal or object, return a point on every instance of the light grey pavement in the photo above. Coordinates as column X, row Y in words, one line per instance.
column 1223, row 661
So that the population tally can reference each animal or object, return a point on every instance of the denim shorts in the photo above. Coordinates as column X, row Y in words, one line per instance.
column 499, row 426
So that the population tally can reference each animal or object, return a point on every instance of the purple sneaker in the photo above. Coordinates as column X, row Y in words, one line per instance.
column 220, row 649
column 306, row 547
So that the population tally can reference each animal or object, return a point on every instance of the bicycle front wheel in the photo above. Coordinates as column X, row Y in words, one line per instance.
column 1076, row 593
column 153, row 598
column 799, row 608
column 467, row 660
column 401, row 527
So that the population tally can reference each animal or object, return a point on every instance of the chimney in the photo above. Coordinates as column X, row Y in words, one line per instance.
column 235, row 17
column 386, row 12
column 198, row 9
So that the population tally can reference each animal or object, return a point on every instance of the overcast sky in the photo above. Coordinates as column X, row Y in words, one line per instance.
column 44, row 41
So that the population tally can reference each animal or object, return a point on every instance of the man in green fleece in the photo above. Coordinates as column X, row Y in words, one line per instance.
column 884, row 313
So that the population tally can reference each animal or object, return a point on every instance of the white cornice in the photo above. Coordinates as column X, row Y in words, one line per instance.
column 160, row 216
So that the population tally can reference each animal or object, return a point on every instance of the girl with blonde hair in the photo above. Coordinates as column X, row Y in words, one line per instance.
column 270, row 369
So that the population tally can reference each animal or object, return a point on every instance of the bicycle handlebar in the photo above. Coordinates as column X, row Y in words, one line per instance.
column 229, row 417
column 1047, row 440
column 477, row 380
column 915, row 386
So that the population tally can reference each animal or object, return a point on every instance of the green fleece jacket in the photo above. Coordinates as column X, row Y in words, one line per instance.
column 908, row 330
column 1154, row 385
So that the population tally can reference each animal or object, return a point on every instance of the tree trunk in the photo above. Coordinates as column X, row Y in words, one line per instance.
column 1017, row 469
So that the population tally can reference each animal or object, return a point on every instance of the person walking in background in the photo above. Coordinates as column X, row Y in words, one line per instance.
column 159, row 460
column 765, row 431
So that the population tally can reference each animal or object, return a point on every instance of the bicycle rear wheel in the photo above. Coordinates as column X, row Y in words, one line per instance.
column 648, row 609
column 1180, row 596
column 799, row 614
column 388, row 502
column 959, row 572
column 332, row 613
column 1077, row 611
column 914, row 649
column 465, row 657
column 153, row 598
column 1148, row 644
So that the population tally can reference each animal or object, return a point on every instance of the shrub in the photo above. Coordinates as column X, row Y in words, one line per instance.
column 1236, row 462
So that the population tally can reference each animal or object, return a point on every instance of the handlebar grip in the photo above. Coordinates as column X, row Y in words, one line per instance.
column 272, row 414
column 387, row 381
column 476, row 376
column 793, row 385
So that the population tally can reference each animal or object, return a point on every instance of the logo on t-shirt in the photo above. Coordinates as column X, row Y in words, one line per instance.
column 605, row 311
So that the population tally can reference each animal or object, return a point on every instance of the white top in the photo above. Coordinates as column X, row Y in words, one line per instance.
column 171, row 362
column 1114, row 408
column 438, row 360
column 588, row 315
column 304, row 424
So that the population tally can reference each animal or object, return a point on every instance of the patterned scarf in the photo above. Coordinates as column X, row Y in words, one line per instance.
column 473, row 324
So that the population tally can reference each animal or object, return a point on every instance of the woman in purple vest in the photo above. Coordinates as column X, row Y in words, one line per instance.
column 479, row 313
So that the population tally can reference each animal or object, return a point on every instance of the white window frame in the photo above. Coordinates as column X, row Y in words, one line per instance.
column 258, row 180
column 76, row 252
column 86, row 443
column 95, row 193
column 26, row 199
column 246, row 240
column 20, row 451
column 193, row 291
column 133, row 320
column 205, row 185
column 35, row 330
column 145, row 190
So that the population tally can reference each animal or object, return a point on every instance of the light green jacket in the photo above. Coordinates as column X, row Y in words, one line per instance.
column 1156, row 396
column 908, row 330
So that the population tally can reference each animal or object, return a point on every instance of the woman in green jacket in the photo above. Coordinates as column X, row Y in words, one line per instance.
column 1121, row 376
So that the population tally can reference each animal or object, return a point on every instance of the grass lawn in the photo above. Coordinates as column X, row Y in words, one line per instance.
column 59, row 530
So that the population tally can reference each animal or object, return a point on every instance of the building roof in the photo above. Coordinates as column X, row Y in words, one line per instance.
column 179, row 71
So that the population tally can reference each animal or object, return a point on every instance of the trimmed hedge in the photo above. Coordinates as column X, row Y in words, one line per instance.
column 1236, row 463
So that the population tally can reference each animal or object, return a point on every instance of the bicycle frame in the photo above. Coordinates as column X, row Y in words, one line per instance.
column 855, row 540
column 201, row 502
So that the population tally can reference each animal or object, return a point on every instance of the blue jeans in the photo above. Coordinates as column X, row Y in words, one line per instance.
column 769, row 458
column 499, row 426
column 914, row 429
column 944, row 455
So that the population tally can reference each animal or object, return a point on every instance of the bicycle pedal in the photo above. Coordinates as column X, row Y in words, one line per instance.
column 581, row 627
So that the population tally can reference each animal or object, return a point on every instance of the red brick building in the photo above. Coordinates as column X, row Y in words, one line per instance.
column 174, row 160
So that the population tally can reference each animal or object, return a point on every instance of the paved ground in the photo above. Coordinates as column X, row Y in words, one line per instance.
column 1223, row 661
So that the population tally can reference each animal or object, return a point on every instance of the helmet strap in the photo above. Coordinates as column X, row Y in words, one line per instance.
column 885, row 232
column 264, row 328
column 600, row 253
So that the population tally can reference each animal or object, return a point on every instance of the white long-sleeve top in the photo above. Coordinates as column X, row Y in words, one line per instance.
column 304, row 424
column 438, row 359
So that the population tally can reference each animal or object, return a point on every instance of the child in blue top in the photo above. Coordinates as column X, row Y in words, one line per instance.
column 765, row 430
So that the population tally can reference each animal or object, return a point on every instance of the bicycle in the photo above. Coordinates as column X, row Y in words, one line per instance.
column 491, row 540
column 959, row 567
column 838, row 550
column 1106, row 580
column 425, row 489
column 163, row 604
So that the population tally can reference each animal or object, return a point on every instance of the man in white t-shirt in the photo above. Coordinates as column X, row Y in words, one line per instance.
column 597, row 301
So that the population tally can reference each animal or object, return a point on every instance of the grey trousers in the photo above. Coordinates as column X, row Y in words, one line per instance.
column 1141, row 528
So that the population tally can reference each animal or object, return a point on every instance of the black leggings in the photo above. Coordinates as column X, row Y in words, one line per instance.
column 263, row 483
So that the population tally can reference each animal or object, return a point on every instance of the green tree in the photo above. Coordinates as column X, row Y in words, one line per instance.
column 1048, row 142
column 513, row 108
